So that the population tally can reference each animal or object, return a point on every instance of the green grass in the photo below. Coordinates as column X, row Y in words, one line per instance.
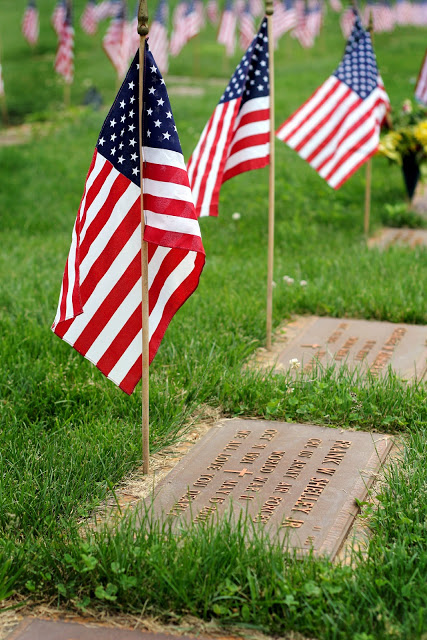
column 67, row 435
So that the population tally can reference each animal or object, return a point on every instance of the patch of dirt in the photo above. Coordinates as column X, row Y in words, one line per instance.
column 393, row 236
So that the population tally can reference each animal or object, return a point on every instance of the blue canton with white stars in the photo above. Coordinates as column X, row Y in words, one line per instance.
column 251, row 80
column 358, row 68
column 119, row 138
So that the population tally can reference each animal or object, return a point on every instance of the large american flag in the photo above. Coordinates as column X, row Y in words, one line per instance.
column 236, row 138
column 89, row 19
column 421, row 86
column 30, row 23
column 115, row 42
column 338, row 128
column 64, row 61
column 227, row 28
column 158, row 36
column 58, row 16
column 99, row 311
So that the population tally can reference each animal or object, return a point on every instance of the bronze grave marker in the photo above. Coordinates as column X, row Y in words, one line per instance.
column 298, row 481
column 392, row 236
column 363, row 344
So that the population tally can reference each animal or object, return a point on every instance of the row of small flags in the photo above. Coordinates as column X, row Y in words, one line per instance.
column 303, row 19
column 99, row 313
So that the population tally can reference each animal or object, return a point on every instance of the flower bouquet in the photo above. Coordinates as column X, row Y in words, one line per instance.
column 406, row 143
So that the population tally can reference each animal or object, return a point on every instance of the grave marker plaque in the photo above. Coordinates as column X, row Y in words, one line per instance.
column 296, row 481
column 390, row 236
column 364, row 344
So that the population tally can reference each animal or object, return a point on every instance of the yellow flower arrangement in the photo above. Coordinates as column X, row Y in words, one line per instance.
column 408, row 135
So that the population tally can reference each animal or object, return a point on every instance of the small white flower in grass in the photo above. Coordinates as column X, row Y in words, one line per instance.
column 236, row 216
column 303, row 283
column 273, row 284
column 288, row 280
column 295, row 363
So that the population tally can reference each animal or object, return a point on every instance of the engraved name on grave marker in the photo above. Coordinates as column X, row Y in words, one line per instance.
column 297, row 481
column 368, row 345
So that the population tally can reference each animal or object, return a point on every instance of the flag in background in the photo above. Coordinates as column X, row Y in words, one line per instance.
column 421, row 86
column 58, row 16
column 133, row 35
column 212, row 11
column 256, row 7
column 246, row 27
column 30, row 23
column 335, row 5
column 115, row 42
column 178, row 35
column 284, row 18
column 193, row 20
column 347, row 22
column 99, row 311
column 227, row 28
column 338, row 128
column 107, row 9
column 236, row 138
column 89, row 21
column 64, row 61
column 302, row 31
column 158, row 36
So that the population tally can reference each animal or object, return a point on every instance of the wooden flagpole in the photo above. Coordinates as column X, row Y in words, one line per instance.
column 270, row 261
column 67, row 86
column 3, row 104
column 368, row 180
column 143, row 31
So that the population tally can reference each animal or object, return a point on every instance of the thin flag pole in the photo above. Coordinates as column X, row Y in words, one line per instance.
column 143, row 31
column 3, row 104
column 270, row 261
column 368, row 178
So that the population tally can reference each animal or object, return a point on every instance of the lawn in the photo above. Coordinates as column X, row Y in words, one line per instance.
column 68, row 436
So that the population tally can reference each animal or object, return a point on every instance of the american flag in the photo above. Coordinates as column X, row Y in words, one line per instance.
column 236, row 138
column 302, row 31
column 212, row 11
column 421, row 86
column 99, row 311
column 193, row 20
column 246, row 27
column 178, row 35
column 30, row 23
column 64, row 61
column 335, row 5
column 107, row 9
column 89, row 21
column 133, row 37
column 403, row 12
column 347, row 22
column 58, row 16
column 314, row 17
column 284, row 18
column 227, row 28
column 158, row 36
column 115, row 42
column 338, row 128
column 257, row 8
